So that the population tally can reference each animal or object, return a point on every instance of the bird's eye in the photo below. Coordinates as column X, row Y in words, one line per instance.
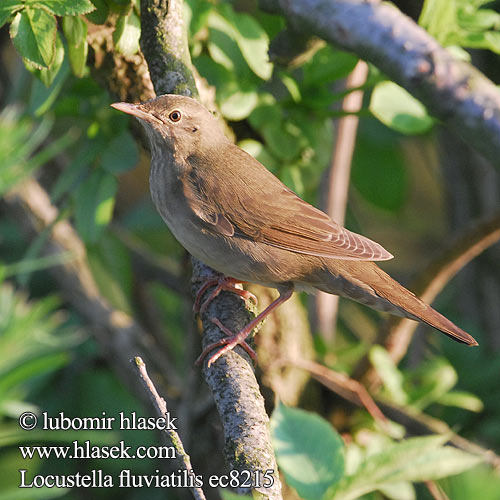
column 175, row 116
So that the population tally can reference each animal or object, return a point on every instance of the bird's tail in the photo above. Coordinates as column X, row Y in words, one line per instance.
column 387, row 294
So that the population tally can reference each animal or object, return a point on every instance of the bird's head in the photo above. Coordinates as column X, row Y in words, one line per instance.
column 177, row 122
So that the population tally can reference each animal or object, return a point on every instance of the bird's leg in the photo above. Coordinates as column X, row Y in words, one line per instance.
column 232, row 339
column 221, row 283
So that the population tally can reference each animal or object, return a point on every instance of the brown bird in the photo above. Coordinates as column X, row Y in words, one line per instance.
column 234, row 215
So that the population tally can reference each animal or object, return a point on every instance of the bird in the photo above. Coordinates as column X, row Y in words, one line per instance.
column 230, row 212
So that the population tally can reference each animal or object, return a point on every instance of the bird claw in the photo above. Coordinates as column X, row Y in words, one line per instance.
column 222, row 283
column 227, row 344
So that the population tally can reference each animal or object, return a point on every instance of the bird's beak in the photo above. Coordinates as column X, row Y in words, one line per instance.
column 135, row 110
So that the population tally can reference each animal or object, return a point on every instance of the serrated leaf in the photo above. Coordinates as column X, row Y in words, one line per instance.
column 47, row 75
column 398, row 109
column 121, row 154
column 100, row 14
column 8, row 8
column 94, row 205
column 309, row 451
column 33, row 33
column 64, row 7
column 127, row 33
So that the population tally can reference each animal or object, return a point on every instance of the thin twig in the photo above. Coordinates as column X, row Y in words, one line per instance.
column 172, row 436
column 415, row 423
column 343, row 385
column 338, row 184
column 436, row 491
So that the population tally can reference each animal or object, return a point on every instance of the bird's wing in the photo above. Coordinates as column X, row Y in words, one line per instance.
column 261, row 208
column 286, row 221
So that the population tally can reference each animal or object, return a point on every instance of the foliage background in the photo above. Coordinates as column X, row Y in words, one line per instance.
column 413, row 186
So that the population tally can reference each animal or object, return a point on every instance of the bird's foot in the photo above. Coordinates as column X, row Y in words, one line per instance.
column 227, row 344
column 221, row 283
column 232, row 340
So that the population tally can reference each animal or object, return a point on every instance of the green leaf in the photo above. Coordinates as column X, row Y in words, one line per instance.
column 253, row 43
column 100, row 15
column 434, row 379
column 379, row 171
column 309, row 451
column 196, row 15
column 8, row 8
column 75, row 29
column 462, row 399
column 479, row 20
column 398, row 491
column 224, row 51
column 482, row 480
column 127, row 33
column 64, row 7
column 238, row 105
column 33, row 33
column 94, row 205
column 397, row 109
column 416, row 459
column 439, row 18
column 78, row 58
column 121, row 154
column 43, row 97
column 390, row 375
column 251, row 40
column 328, row 65
column 48, row 75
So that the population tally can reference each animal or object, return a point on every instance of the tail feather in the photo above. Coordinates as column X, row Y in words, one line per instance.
column 370, row 285
column 414, row 308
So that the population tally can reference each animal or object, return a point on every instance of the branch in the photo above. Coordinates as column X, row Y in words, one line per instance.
column 172, row 436
column 452, row 90
column 231, row 380
column 338, row 184
column 165, row 45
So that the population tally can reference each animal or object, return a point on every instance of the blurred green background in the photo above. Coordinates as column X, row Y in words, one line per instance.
column 413, row 188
